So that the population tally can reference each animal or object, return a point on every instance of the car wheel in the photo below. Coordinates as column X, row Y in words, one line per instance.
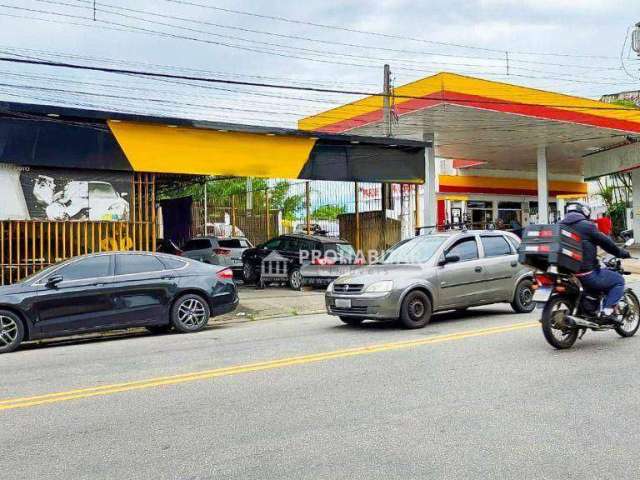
column 295, row 279
column 158, row 329
column 11, row 331
column 523, row 298
column 352, row 320
column 190, row 313
column 248, row 274
column 416, row 310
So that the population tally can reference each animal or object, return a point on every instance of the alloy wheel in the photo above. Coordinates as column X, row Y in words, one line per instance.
column 192, row 313
column 8, row 331
column 295, row 279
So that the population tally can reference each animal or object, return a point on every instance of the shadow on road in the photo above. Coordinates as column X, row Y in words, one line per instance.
column 450, row 317
column 102, row 337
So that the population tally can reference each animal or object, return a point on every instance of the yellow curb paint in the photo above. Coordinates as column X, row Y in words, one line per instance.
column 25, row 402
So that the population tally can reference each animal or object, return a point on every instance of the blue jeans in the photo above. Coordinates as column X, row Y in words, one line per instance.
column 605, row 281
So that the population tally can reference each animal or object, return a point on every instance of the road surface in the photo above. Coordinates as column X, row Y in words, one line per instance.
column 474, row 396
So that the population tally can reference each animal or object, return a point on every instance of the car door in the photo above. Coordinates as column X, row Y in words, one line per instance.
column 461, row 281
column 500, row 265
column 142, row 290
column 80, row 302
column 200, row 249
column 290, row 249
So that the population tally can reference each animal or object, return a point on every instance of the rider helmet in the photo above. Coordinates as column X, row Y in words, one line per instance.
column 578, row 206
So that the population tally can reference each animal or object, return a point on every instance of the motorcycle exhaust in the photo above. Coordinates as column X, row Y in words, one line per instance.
column 581, row 322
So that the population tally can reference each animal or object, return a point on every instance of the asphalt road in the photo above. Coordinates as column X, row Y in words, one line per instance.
column 481, row 396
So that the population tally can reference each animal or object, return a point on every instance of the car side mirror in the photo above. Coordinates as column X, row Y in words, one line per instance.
column 449, row 259
column 53, row 280
column 629, row 242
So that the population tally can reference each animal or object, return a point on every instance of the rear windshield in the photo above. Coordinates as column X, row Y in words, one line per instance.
column 343, row 250
column 230, row 243
column 197, row 244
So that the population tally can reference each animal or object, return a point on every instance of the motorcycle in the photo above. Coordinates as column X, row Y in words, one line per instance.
column 568, row 310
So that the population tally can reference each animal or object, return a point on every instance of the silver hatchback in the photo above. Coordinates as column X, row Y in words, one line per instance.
column 430, row 273
column 225, row 251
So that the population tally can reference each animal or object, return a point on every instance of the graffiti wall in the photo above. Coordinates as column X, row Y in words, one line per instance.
column 51, row 194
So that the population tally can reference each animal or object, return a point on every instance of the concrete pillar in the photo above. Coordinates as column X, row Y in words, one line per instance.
column 561, row 203
column 430, row 204
column 543, row 186
column 635, row 185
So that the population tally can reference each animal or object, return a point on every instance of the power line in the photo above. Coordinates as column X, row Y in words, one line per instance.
column 289, row 55
column 379, row 34
column 500, row 59
column 270, row 85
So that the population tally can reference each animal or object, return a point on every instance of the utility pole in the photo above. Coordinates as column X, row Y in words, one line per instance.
column 206, row 207
column 386, row 101
column 386, row 121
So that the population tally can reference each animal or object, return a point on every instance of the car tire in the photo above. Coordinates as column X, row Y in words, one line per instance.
column 416, row 310
column 159, row 329
column 523, row 297
column 11, row 331
column 190, row 313
column 352, row 320
column 248, row 273
column 295, row 279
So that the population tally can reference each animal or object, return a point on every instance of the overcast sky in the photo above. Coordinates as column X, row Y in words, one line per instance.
column 586, row 36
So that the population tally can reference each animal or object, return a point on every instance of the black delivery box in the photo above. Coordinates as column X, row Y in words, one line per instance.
column 556, row 245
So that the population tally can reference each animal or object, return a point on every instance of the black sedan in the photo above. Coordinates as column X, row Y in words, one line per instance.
column 107, row 291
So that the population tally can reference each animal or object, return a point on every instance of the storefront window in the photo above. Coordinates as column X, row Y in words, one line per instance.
column 480, row 213
column 510, row 213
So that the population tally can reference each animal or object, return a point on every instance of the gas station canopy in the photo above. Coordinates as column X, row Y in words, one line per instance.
column 495, row 125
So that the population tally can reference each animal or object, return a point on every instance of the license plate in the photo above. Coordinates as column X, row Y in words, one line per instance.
column 343, row 302
column 542, row 294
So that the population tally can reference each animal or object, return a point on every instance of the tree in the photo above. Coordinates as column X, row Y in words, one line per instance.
column 328, row 212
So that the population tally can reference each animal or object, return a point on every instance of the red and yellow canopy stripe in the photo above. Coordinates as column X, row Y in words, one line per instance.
column 481, row 94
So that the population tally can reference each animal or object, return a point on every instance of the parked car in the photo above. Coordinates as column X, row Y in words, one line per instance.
column 108, row 291
column 225, row 251
column 168, row 246
column 296, row 248
column 430, row 273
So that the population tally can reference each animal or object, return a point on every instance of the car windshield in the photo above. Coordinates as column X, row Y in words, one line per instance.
column 414, row 250
column 197, row 244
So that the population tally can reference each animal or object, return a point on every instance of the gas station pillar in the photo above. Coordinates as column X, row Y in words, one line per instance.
column 430, row 182
column 543, row 186
column 635, row 186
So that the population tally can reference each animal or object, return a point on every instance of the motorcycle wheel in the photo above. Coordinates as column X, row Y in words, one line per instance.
column 554, row 328
column 631, row 315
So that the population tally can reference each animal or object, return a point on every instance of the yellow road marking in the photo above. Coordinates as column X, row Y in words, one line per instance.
column 24, row 402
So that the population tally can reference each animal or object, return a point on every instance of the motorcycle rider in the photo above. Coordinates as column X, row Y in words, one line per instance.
column 591, row 275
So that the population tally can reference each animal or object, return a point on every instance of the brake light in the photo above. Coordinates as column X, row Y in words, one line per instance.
column 544, row 280
column 225, row 274
column 546, row 233
column 222, row 251
column 322, row 261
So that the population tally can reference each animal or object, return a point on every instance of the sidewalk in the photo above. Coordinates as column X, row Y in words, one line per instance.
column 273, row 302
